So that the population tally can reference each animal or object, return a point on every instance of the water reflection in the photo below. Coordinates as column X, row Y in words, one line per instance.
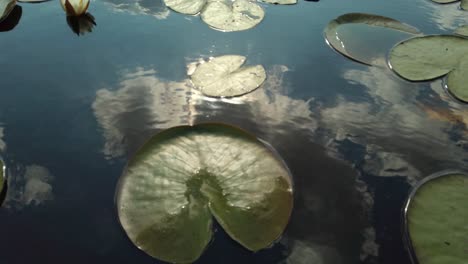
column 28, row 186
column 12, row 19
column 400, row 144
column 155, row 8
column 447, row 17
column 81, row 25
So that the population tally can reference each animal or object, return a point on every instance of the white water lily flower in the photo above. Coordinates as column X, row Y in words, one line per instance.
column 75, row 7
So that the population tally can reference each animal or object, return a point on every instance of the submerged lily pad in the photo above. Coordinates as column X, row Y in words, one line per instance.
column 429, row 57
column 436, row 215
column 224, row 76
column 6, row 6
column 281, row 2
column 462, row 31
column 339, row 44
column 188, row 7
column 185, row 175
column 234, row 15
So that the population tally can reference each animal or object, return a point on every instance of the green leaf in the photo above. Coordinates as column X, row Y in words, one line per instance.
column 188, row 7
column 339, row 43
column 464, row 4
column 6, row 6
column 232, row 16
column 429, row 57
column 436, row 219
column 224, row 76
column 185, row 175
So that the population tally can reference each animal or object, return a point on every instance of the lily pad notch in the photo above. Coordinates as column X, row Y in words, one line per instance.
column 435, row 216
column 185, row 176
column 429, row 57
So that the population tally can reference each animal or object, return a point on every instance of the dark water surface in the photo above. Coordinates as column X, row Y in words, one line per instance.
column 356, row 138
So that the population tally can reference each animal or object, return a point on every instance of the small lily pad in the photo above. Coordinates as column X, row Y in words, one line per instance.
column 436, row 214
column 462, row 31
column 188, row 7
column 224, row 76
column 429, row 57
column 184, row 176
column 339, row 44
column 281, row 2
column 6, row 6
column 234, row 15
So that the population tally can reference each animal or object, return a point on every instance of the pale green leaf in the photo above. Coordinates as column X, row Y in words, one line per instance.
column 188, row 7
column 5, row 8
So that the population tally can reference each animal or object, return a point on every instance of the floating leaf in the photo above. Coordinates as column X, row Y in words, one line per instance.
column 185, row 175
column 281, row 2
column 463, row 4
column 232, row 16
column 429, row 57
column 188, row 7
column 436, row 215
column 462, row 31
column 6, row 6
column 339, row 44
column 224, row 76
column 32, row 1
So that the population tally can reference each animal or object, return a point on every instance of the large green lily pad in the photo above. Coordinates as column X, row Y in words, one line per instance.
column 6, row 6
column 429, row 57
column 224, row 76
column 188, row 7
column 234, row 15
column 185, row 175
column 337, row 42
column 436, row 219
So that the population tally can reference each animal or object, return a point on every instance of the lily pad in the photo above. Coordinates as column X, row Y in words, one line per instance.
column 462, row 31
column 6, row 6
column 184, row 176
column 429, row 57
column 436, row 214
column 339, row 44
column 188, row 7
column 32, row 1
column 12, row 20
column 234, row 15
column 281, row 2
column 224, row 76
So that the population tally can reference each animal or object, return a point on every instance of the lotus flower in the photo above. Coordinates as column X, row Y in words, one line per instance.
column 75, row 7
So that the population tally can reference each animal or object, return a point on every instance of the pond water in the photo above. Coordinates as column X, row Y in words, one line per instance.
column 356, row 138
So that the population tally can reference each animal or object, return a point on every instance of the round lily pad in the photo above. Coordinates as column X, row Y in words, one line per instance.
column 6, row 6
column 234, row 15
column 463, row 4
column 429, row 57
column 188, row 7
column 224, row 76
column 436, row 216
column 184, row 176
column 339, row 43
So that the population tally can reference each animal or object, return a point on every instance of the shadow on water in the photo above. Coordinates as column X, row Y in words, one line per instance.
column 81, row 25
